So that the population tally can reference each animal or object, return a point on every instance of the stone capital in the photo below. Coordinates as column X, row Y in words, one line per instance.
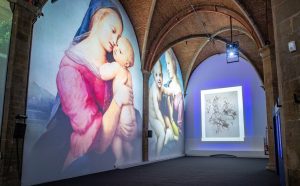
column 26, row 5
column 265, row 52
column 146, row 73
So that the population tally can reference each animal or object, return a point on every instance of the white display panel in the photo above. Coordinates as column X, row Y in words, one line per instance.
column 222, row 116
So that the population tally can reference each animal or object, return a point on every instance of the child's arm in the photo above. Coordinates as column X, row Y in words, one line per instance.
column 157, row 110
column 108, row 71
column 170, row 108
column 167, row 90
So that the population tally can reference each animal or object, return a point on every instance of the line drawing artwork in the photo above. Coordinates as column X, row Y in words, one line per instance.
column 222, row 116
column 221, row 113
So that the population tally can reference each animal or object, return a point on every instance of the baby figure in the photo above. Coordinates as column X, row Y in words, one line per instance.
column 119, row 73
column 156, row 119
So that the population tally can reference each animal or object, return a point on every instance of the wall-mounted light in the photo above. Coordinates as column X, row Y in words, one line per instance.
column 292, row 46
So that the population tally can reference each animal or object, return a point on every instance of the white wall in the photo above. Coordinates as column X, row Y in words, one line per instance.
column 213, row 73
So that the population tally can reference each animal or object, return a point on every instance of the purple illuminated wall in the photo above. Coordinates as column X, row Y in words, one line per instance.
column 213, row 73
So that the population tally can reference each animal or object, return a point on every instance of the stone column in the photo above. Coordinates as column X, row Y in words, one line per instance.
column 286, row 16
column 266, row 56
column 146, row 75
column 24, row 15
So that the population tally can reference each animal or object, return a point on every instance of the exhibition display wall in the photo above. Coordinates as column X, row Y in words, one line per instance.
column 166, row 104
column 225, row 86
column 5, row 31
column 82, row 115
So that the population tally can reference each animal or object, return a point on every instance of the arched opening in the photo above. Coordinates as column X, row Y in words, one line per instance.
column 215, row 73
column 189, row 15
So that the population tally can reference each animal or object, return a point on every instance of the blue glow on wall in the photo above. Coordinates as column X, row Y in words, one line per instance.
column 216, row 73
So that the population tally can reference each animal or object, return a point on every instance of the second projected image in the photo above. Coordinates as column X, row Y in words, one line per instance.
column 166, row 107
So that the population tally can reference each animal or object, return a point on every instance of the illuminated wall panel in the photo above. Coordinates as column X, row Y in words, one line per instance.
column 81, row 118
column 166, row 104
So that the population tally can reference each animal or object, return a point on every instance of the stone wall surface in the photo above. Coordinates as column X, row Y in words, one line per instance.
column 286, row 17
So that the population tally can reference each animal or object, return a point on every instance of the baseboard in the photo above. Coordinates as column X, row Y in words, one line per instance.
column 243, row 154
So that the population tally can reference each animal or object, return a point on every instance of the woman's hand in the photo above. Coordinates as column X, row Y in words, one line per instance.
column 123, row 95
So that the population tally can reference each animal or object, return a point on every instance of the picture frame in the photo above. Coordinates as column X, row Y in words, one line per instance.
column 222, row 115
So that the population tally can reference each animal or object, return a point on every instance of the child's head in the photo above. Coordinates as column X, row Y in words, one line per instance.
column 123, row 53
column 157, row 74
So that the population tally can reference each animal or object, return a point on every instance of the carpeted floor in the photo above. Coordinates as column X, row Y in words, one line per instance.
column 185, row 171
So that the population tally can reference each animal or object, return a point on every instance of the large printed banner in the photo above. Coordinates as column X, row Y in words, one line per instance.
column 85, row 92
column 166, row 107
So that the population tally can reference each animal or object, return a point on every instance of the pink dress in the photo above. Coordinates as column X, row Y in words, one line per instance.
column 77, row 118
column 84, row 98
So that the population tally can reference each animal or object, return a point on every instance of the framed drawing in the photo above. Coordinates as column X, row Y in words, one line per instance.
column 222, row 116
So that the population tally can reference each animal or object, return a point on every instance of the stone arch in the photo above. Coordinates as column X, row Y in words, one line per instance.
column 199, row 8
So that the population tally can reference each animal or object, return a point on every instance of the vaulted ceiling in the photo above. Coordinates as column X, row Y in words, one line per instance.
column 198, row 29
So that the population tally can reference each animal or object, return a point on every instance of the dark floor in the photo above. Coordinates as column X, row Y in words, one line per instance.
column 185, row 171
